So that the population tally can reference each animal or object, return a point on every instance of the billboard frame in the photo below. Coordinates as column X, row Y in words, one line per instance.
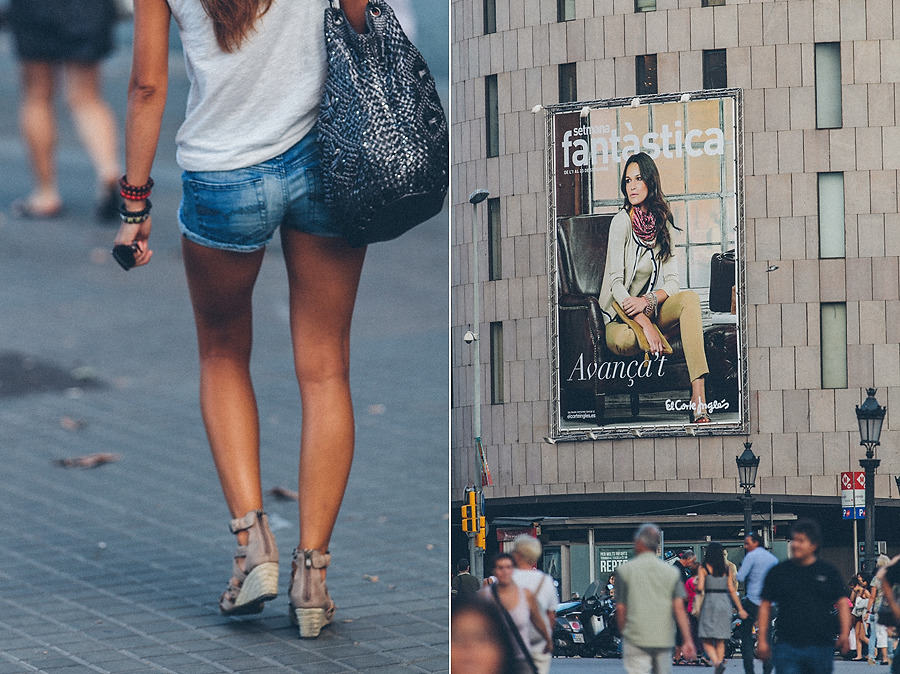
column 560, row 433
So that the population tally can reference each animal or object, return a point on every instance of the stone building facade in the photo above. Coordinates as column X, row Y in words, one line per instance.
column 509, row 56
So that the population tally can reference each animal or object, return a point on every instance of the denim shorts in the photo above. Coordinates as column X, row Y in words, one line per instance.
column 240, row 210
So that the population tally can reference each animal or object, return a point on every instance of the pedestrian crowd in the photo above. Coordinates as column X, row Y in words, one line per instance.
column 504, row 626
column 794, row 615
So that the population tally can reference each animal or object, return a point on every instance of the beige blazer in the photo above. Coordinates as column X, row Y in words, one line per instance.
column 632, row 268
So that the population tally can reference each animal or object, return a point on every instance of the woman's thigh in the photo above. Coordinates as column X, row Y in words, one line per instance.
column 323, row 273
column 671, row 310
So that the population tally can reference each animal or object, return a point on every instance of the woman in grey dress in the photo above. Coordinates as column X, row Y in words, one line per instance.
column 719, row 593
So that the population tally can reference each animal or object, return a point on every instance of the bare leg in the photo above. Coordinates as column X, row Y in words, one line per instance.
column 324, row 275
column 709, row 647
column 94, row 119
column 221, row 286
column 38, row 123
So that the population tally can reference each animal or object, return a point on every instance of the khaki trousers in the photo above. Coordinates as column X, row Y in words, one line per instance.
column 682, row 308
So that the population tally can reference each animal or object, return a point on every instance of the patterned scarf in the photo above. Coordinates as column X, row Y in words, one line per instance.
column 644, row 225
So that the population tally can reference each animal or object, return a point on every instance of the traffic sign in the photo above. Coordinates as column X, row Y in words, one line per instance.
column 860, row 513
column 853, row 491
column 847, row 513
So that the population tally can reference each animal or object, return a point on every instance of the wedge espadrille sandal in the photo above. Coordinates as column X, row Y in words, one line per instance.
column 254, row 579
column 311, row 607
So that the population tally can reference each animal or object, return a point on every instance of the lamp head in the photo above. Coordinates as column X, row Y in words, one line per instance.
column 870, row 416
column 478, row 196
column 747, row 465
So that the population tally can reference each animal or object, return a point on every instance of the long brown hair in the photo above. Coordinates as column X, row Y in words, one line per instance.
column 233, row 20
column 656, row 201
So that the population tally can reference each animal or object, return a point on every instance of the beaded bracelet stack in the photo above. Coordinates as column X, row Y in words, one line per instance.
column 134, row 192
column 135, row 217
column 131, row 192
column 652, row 304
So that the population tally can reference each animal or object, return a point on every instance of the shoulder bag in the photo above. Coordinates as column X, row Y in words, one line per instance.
column 383, row 137
column 511, row 627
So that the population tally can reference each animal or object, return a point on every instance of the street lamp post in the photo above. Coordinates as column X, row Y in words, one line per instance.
column 476, row 558
column 870, row 416
column 747, row 465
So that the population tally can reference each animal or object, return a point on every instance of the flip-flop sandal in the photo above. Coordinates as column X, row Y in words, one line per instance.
column 23, row 209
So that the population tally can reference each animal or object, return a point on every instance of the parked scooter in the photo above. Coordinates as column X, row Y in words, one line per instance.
column 568, row 632
column 588, row 628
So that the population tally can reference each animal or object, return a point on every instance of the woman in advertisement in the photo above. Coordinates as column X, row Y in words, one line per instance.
column 642, row 278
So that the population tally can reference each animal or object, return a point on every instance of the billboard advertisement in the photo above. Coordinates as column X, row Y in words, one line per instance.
column 646, row 252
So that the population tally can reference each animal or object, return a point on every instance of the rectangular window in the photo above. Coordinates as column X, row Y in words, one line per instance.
column 495, row 260
column 496, row 362
column 715, row 69
column 645, row 74
column 492, row 115
column 644, row 5
column 831, row 215
column 828, row 85
column 490, row 16
column 568, row 83
column 565, row 10
column 834, row 344
column 712, row 3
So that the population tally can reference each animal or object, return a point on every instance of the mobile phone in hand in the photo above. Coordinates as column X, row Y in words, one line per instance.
column 123, row 253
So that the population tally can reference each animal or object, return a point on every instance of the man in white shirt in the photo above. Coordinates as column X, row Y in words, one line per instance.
column 527, row 551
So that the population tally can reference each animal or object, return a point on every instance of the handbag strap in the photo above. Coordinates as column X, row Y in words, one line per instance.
column 511, row 625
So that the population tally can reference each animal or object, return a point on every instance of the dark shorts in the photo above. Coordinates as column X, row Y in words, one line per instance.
column 62, row 30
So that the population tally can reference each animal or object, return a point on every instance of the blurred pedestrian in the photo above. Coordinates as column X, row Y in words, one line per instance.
column 690, row 588
column 649, row 605
column 464, row 584
column 878, row 634
column 859, row 599
column 248, row 147
column 757, row 563
column 889, row 579
column 520, row 611
column 526, row 553
column 806, row 589
column 65, row 41
column 687, row 565
column 719, row 593
column 732, row 568
column 479, row 641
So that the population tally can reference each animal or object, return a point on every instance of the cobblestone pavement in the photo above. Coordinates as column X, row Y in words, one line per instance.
column 118, row 568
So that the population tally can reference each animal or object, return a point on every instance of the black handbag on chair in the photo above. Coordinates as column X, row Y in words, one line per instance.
column 382, row 132
column 721, row 281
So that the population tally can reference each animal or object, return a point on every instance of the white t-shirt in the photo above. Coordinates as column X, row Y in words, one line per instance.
column 252, row 104
column 545, row 593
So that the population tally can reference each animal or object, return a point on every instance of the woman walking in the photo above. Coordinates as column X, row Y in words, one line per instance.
column 642, row 278
column 520, row 612
column 859, row 598
column 248, row 147
column 719, row 594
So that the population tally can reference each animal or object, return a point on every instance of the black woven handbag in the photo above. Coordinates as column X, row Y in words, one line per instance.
column 382, row 131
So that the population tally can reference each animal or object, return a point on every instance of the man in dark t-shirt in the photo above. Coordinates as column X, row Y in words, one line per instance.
column 464, row 584
column 806, row 589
